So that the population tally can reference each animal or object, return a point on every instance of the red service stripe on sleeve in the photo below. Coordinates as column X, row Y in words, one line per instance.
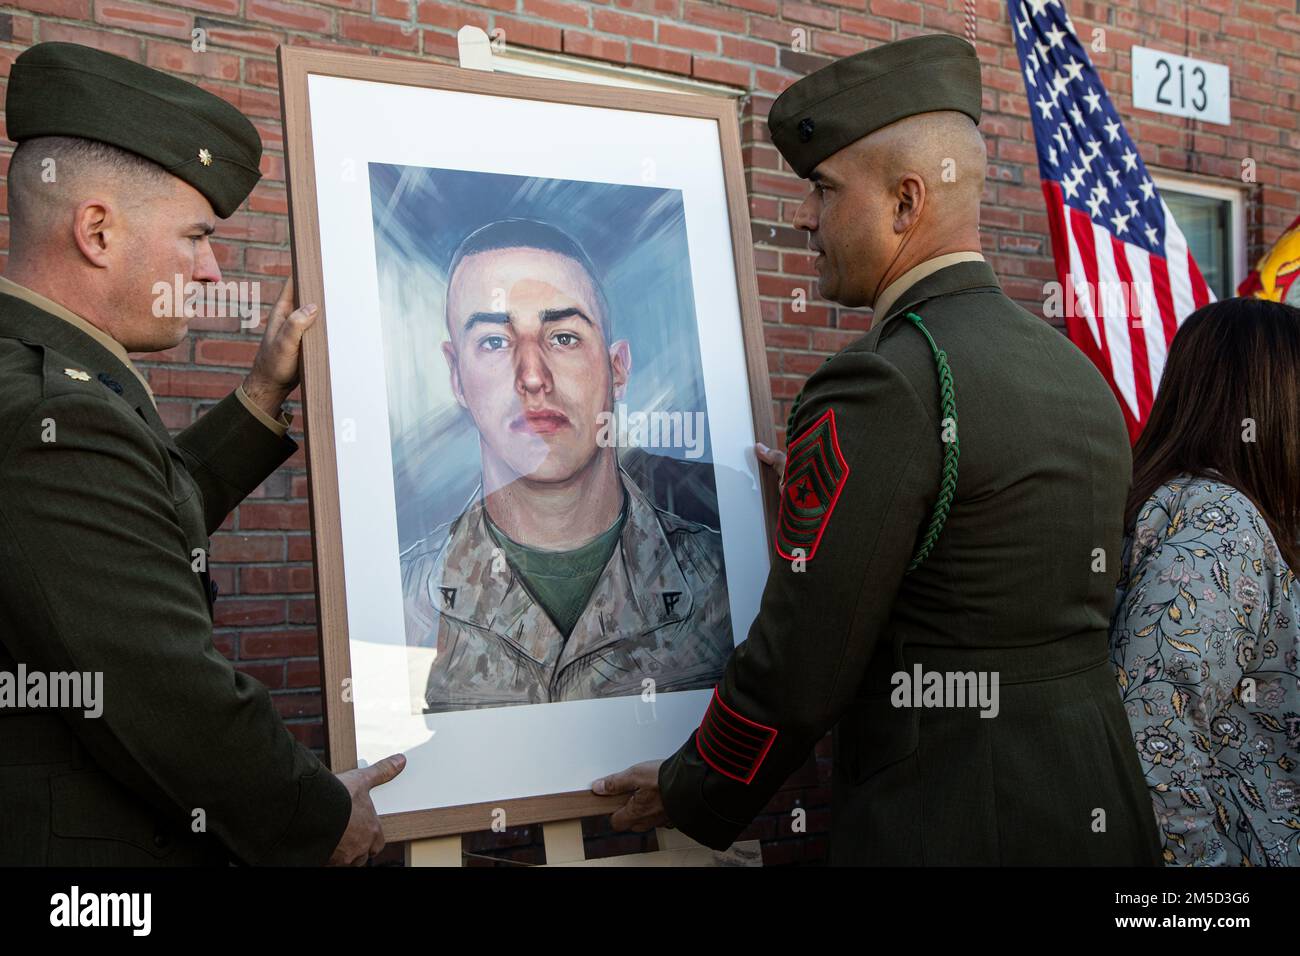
column 731, row 744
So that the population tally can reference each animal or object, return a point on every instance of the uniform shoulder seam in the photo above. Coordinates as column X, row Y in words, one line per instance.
column 869, row 358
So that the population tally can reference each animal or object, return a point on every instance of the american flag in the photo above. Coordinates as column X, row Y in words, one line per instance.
column 1127, row 277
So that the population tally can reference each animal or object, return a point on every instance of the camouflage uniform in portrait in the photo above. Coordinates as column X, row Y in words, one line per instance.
column 659, row 611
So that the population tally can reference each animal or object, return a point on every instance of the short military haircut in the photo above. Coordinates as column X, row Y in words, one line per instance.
column 43, row 166
column 531, row 234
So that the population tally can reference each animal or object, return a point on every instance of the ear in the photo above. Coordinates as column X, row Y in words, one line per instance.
column 909, row 202
column 620, row 364
column 91, row 222
column 449, row 353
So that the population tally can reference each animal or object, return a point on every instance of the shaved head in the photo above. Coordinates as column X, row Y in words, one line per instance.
column 945, row 149
column 50, row 175
column 893, row 199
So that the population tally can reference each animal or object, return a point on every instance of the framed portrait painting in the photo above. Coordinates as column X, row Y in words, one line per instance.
column 531, row 402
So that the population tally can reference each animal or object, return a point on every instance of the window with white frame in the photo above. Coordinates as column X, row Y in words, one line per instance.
column 1213, row 218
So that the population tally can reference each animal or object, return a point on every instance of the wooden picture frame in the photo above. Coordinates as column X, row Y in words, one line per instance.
column 296, row 66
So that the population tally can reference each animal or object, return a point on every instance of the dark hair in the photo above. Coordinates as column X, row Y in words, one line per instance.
column 1229, row 408
column 531, row 234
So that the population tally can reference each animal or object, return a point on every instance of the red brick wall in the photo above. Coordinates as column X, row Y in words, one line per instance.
column 266, row 617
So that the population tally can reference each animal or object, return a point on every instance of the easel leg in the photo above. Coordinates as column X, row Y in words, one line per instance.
column 435, row 851
column 563, row 839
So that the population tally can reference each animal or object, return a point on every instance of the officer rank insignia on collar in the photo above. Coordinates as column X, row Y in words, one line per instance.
column 815, row 472
column 205, row 157
column 77, row 375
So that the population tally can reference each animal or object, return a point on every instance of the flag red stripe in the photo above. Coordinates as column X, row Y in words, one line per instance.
column 1136, row 334
column 1200, row 291
column 1081, row 229
column 1076, row 323
column 1164, row 298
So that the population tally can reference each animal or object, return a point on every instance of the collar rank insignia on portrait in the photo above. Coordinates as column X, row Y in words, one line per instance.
column 448, row 596
column 670, row 602
column 77, row 375
column 815, row 472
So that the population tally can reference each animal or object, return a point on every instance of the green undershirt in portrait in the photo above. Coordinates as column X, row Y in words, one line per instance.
column 561, row 581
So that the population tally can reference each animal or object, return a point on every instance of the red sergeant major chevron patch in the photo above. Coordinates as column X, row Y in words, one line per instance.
column 815, row 473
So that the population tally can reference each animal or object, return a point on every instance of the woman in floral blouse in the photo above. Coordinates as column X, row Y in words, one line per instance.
column 1205, row 634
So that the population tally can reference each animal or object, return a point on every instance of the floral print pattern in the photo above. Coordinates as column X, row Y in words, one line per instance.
column 1205, row 643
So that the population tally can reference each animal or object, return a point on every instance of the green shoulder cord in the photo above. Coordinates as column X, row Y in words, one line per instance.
column 948, row 412
column 948, row 485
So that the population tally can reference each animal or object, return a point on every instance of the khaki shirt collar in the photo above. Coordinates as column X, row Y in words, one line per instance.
column 9, row 287
column 889, row 295
column 629, row 597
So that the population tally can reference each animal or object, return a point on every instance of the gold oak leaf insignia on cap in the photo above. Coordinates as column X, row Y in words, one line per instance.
column 77, row 375
column 815, row 472
column 205, row 157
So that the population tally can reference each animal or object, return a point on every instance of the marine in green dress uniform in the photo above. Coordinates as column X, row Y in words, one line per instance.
column 104, row 517
column 951, row 513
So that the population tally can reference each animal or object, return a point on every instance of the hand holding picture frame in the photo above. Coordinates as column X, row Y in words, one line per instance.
column 531, row 398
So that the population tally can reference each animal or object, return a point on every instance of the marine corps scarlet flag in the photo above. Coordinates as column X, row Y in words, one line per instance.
column 1274, row 276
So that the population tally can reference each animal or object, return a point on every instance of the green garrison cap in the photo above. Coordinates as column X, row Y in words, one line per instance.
column 65, row 89
column 826, row 110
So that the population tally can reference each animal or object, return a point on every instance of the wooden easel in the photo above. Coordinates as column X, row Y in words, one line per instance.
column 564, row 847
